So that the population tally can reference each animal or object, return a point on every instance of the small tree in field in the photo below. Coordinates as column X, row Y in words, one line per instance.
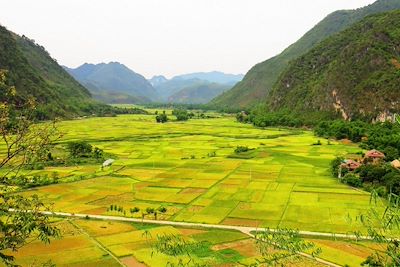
column 25, row 143
column 162, row 118
column 134, row 210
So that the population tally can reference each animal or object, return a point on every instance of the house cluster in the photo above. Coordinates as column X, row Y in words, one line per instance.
column 371, row 157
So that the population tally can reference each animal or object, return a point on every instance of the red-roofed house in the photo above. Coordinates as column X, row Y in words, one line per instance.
column 374, row 155
column 351, row 165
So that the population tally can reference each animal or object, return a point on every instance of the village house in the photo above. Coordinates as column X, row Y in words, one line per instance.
column 349, row 165
column 373, row 156
column 395, row 164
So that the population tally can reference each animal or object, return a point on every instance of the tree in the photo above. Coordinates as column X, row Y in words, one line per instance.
column 335, row 166
column 181, row 114
column 25, row 143
column 352, row 180
column 134, row 210
column 162, row 210
column 162, row 118
column 79, row 149
column 391, row 153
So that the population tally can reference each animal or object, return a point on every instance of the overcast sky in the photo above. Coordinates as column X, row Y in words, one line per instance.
column 167, row 37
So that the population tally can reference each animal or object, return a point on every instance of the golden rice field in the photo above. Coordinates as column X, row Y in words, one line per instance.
column 102, row 243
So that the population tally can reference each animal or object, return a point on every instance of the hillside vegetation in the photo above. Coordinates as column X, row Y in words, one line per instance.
column 261, row 78
column 33, row 72
column 353, row 75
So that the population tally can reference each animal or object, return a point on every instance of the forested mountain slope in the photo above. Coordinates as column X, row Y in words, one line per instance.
column 354, row 74
column 34, row 73
column 261, row 78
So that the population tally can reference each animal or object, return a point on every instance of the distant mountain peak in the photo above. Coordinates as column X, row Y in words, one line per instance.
column 157, row 80
column 114, row 79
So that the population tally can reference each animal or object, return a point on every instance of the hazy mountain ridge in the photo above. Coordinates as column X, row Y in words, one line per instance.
column 260, row 79
column 114, row 80
column 354, row 74
column 198, row 94
column 199, row 87
column 213, row 76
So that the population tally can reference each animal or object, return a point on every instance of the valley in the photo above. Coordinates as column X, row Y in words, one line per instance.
column 168, row 165
column 190, row 169
column 177, row 159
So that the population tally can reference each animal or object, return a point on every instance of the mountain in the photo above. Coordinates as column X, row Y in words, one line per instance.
column 113, row 97
column 34, row 73
column 202, row 86
column 113, row 79
column 213, row 77
column 157, row 80
column 261, row 78
column 198, row 94
column 354, row 74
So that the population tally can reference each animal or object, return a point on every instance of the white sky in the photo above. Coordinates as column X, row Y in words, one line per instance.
column 167, row 37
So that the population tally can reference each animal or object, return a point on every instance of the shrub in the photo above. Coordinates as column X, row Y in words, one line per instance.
column 335, row 166
column 181, row 114
column 241, row 149
column 318, row 143
column 352, row 180
column 162, row 118
column 79, row 149
column 162, row 209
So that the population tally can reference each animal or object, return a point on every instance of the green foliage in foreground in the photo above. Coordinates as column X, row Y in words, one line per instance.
column 22, row 219
column 26, row 221
column 275, row 246
column 380, row 228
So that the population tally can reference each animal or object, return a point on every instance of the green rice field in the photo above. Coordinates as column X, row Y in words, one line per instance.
column 102, row 243
column 283, row 182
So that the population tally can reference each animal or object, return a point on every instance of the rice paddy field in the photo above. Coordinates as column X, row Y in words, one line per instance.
column 285, row 181
column 191, row 169
column 102, row 243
